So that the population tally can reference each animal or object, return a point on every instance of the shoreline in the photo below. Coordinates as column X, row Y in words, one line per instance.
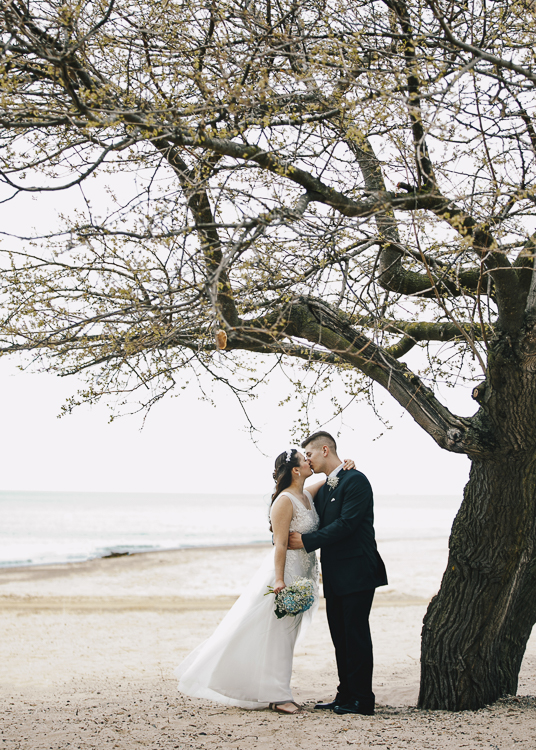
column 115, row 556
column 111, row 555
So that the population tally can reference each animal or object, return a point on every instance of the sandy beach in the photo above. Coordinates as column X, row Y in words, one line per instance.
column 88, row 650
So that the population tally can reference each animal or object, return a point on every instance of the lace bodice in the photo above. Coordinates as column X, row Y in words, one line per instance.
column 303, row 519
column 300, row 563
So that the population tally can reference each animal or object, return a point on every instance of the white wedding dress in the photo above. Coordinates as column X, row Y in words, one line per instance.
column 247, row 661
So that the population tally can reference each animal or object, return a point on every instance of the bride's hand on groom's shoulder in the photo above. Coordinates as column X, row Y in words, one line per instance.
column 279, row 586
column 348, row 464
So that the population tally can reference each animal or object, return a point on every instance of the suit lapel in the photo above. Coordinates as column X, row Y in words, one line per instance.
column 331, row 494
column 322, row 500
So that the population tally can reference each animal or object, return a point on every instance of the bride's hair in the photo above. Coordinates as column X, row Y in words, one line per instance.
column 284, row 464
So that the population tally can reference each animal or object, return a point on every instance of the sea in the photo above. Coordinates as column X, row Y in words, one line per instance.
column 38, row 528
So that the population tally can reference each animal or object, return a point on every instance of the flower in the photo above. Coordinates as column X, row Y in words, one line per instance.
column 294, row 599
column 332, row 482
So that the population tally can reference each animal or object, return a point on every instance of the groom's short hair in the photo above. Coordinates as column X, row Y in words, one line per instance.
column 325, row 437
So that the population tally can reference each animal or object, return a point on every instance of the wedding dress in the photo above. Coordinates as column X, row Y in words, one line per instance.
column 247, row 661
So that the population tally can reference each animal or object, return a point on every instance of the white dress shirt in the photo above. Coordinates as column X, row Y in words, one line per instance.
column 336, row 471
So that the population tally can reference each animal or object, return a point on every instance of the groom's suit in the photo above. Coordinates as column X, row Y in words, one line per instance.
column 351, row 570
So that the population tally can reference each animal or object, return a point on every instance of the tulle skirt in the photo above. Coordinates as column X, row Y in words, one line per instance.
column 247, row 661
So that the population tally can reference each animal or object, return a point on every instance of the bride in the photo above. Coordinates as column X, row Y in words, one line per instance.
column 247, row 661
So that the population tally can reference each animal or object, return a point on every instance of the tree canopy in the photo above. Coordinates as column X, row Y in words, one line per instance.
column 331, row 181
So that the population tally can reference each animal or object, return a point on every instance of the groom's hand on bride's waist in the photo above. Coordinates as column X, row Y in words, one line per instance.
column 295, row 540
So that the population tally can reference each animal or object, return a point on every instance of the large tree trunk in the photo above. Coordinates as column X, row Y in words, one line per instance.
column 476, row 629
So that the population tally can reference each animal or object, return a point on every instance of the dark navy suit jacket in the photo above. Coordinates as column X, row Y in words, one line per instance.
column 348, row 553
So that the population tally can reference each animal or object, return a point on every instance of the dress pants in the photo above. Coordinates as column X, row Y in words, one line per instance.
column 348, row 619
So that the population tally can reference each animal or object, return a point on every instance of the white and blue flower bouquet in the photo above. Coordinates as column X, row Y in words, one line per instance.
column 296, row 598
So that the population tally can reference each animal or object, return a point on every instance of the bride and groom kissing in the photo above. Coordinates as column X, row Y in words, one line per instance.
column 247, row 662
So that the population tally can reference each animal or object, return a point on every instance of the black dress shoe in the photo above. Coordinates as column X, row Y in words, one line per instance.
column 329, row 706
column 354, row 707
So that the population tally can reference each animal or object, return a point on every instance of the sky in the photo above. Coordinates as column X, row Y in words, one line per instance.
column 188, row 445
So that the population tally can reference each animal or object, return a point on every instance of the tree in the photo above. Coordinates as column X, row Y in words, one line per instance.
column 328, row 181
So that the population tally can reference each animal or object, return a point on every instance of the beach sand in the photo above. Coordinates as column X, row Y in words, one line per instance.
column 88, row 649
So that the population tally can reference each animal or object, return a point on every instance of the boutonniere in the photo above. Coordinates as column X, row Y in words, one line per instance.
column 332, row 482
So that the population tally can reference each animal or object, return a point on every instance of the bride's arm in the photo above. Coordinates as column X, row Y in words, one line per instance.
column 313, row 489
column 281, row 517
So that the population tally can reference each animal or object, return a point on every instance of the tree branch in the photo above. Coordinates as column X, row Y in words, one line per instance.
column 199, row 205
column 320, row 324
column 315, row 321
column 425, row 173
column 476, row 51
column 415, row 332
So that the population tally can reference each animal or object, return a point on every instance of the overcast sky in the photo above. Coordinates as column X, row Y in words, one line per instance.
column 190, row 446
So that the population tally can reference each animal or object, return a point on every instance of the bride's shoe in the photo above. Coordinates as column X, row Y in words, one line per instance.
column 279, row 707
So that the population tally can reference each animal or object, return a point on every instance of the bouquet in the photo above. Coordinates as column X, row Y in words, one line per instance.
column 296, row 598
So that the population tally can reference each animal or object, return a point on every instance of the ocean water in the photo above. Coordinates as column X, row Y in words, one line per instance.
column 57, row 527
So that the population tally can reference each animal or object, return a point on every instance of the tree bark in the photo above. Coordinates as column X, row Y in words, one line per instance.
column 476, row 629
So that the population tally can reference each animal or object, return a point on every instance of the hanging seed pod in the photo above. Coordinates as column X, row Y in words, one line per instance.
column 221, row 338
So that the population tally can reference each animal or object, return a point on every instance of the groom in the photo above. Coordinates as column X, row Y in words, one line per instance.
column 351, row 570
